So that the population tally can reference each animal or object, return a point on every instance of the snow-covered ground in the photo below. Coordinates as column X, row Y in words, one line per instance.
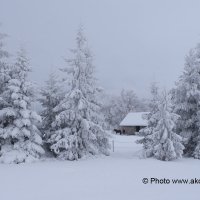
column 117, row 177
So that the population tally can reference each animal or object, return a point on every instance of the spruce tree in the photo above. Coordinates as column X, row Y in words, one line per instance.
column 51, row 95
column 152, row 121
column 4, row 78
column 166, row 143
column 78, row 125
column 186, row 100
column 4, row 69
column 22, row 139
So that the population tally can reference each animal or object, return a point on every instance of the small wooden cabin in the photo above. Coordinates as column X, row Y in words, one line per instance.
column 133, row 122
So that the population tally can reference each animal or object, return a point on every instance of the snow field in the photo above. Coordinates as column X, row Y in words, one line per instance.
column 115, row 177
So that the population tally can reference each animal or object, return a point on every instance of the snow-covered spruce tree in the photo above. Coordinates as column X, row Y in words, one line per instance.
column 78, row 126
column 186, row 100
column 4, row 69
column 152, row 123
column 4, row 77
column 51, row 96
column 165, row 142
column 22, row 140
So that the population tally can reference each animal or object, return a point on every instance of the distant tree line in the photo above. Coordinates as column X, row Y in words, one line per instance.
column 116, row 107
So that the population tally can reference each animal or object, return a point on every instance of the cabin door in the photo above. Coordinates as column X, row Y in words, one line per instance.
column 137, row 128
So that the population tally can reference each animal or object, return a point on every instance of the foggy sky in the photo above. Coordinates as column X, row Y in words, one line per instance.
column 135, row 42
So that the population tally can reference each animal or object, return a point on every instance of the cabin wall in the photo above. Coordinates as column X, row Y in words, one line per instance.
column 130, row 130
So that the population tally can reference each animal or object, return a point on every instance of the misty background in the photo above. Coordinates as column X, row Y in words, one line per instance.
column 135, row 42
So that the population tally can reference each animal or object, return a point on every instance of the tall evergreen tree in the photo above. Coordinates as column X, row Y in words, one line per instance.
column 4, row 78
column 51, row 95
column 186, row 100
column 166, row 143
column 78, row 126
column 152, row 123
column 4, row 69
column 22, row 140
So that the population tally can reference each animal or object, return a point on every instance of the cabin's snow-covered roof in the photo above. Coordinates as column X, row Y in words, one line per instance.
column 134, row 119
